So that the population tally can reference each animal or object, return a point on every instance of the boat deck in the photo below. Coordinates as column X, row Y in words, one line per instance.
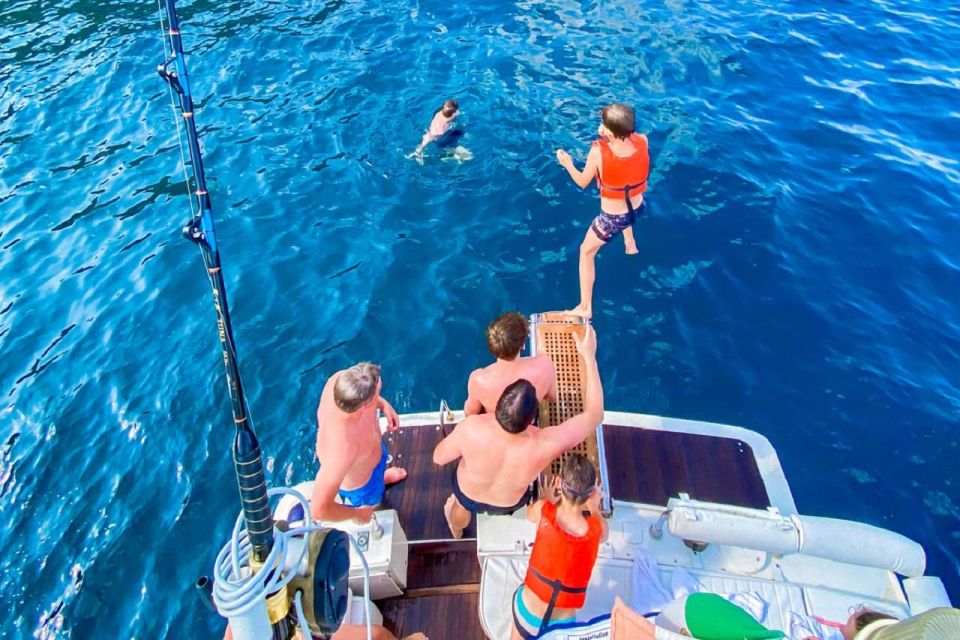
column 645, row 465
column 650, row 467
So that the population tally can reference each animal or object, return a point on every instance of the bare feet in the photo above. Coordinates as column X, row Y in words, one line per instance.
column 416, row 154
column 394, row 475
column 631, row 249
column 583, row 312
column 456, row 532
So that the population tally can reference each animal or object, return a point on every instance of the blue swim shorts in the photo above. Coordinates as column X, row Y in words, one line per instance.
column 370, row 494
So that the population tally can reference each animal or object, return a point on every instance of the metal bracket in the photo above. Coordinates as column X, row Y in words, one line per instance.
column 538, row 318
column 169, row 76
column 606, row 502
column 446, row 416
column 534, row 320
column 192, row 232
column 363, row 540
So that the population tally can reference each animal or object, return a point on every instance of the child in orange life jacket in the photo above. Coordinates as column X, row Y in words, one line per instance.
column 620, row 163
column 569, row 534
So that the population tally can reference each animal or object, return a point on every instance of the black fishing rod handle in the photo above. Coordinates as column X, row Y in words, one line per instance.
column 248, row 463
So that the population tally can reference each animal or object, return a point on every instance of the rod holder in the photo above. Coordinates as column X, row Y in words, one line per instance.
column 204, row 588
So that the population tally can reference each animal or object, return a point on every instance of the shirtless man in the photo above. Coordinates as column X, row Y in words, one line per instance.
column 506, row 336
column 441, row 126
column 351, row 451
column 500, row 454
column 620, row 162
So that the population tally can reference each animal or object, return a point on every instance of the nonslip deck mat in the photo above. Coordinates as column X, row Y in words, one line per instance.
column 419, row 499
column 650, row 466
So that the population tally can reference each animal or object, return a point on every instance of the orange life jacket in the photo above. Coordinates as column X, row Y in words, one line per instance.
column 561, row 563
column 623, row 177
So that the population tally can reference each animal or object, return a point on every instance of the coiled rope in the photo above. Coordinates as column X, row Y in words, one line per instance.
column 235, row 591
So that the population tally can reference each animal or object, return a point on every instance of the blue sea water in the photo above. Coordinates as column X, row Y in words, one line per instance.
column 797, row 275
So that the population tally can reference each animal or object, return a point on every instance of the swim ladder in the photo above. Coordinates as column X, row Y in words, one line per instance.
column 552, row 335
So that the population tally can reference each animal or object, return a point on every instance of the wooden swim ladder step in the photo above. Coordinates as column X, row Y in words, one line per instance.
column 552, row 335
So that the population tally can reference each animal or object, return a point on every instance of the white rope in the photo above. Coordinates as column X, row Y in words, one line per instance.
column 176, row 118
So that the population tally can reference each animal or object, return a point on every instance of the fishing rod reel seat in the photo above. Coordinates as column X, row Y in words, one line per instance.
column 163, row 70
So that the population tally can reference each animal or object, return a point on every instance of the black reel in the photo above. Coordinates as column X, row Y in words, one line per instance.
column 325, row 588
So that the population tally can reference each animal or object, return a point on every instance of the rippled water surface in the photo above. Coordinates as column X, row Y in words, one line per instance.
column 798, row 271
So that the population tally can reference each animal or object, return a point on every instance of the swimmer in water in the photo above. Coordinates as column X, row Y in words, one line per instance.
column 442, row 132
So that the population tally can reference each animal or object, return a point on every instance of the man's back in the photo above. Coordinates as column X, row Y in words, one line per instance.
column 500, row 453
column 487, row 384
column 496, row 467
column 441, row 123
column 353, row 439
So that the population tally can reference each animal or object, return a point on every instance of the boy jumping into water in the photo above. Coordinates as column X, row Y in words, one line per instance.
column 620, row 163
column 440, row 126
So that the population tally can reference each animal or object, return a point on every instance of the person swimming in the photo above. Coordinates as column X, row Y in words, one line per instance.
column 506, row 336
column 442, row 131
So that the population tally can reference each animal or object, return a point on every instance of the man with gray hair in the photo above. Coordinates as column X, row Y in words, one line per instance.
column 351, row 451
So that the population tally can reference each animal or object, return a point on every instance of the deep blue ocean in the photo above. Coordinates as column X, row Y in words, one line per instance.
column 798, row 270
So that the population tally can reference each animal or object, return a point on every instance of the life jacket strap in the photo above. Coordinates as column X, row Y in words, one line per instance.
column 626, row 191
column 556, row 588
column 556, row 585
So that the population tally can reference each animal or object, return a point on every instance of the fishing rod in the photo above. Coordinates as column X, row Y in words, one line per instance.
column 247, row 456
column 267, row 579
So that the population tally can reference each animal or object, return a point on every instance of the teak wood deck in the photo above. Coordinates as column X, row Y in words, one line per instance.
column 443, row 576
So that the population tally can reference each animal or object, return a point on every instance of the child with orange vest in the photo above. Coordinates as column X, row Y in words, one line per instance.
column 569, row 534
column 620, row 162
